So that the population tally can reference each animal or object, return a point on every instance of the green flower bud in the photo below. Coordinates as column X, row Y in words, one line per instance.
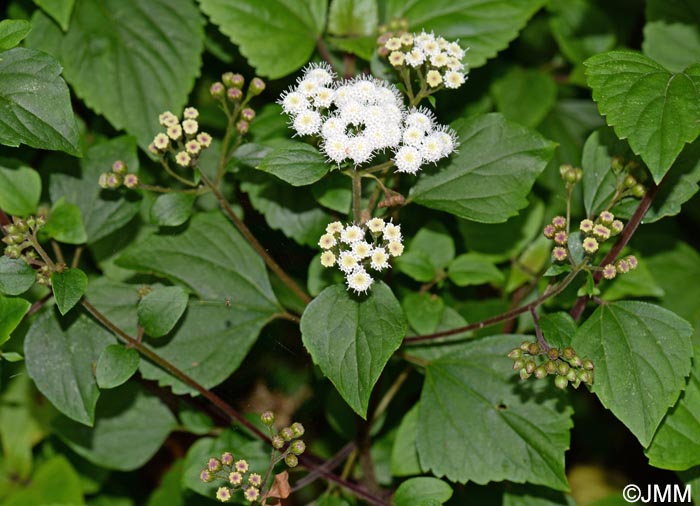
column 287, row 433
column 568, row 353
column 278, row 442
column 515, row 353
column 530, row 366
column 519, row 363
column 553, row 353
column 525, row 345
column 550, row 366
column 205, row 476
column 576, row 361
column 617, row 164
column 588, row 364
column 291, row 460
column 524, row 374
column 257, row 86
column 298, row 429
column 297, row 447
column 584, row 376
column 629, row 181
column 638, row 191
column 571, row 375
column 561, row 382
column 217, row 90
column 579, row 174
column 267, row 418
column 563, row 368
column 533, row 349
column 540, row 372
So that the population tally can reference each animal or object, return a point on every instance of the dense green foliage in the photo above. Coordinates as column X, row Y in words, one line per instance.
column 157, row 296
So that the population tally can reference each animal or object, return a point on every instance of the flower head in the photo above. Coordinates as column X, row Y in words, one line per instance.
column 609, row 271
column 223, row 494
column 590, row 245
column 358, row 280
column 241, row 466
column 227, row 458
column 255, row 479
column 559, row 253
column 235, row 478
column 251, row 494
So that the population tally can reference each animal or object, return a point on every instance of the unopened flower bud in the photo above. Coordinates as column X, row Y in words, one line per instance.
column 588, row 364
column 234, row 94
column 217, row 90
column 515, row 353
column 606, row 218
column 298, row 429
column 629, row 181
column 571, row 375
column 297, row 447
column 530, row 366
column 278, row 442
column 550, row 366
column 568, row 353
column 518, row 363
column 248, row 114
column 102, row 181
column 616, row 227
column 214, row 464
column 617, row 164
column 561, row 382
column 242, row 127
column 638, row 191
column 287, row 433
column 205, row 476
column 267, row 418
column 576, row 361
column 131, row 181
column 291, row 460
column 553, row 353
column 114, row 181
column 584, row 376
column 563, row 368
column 524, row 345
column 540, row 372
column 524, row 374
column 533, row 349
column 228, row 79
column 257, row 86
column 227, row 458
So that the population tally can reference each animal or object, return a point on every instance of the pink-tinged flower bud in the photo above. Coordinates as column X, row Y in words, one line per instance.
column 204, row 139
column 559, row 222
column 257, row 86
column 255, row 479
column 242, row 127
column 622, row 266
column 267, row 418
column 561, row 237
column 131, row 181
column 241, row 466
column 227, row 458
column 102, row 181
column 205, row 476
column 119, row 167
column 114, row 181
column 298, row 429
column 586, row 226
column 590, row 245
column 217, row 90
column 601, row 232
column 297, row 447
column 609, row 271
column 234, row 94
column 235, row 478
column 616, row 227
column 549, row 231
column 213, row 464
column 278, row 442
column 606, row 218
column 559, row 254
column 232, row 80
column 223, row 494
column 632, row 262
column 248, row 114
column 287, row 433
column 291, row 460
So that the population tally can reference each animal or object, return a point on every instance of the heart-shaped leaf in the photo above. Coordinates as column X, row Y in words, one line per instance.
column 68, row 288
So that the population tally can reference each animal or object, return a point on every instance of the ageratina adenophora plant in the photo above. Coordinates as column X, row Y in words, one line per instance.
column 343, row 253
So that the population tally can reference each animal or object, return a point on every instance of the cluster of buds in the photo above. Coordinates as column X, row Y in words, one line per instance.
column 230, row 89
column 182, row 139
column 348, row 247
column 237, row 475
column 19, row 234
column 570, row 174
column 436, row 61
column 565, row 365
column 630, row 183
column 622, row 266
column 118, row 176
column 593, row 233
column 395, row 28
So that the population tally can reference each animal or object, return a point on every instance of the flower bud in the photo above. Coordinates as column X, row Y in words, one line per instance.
column 588, row 365
column 291, row 460
column 638, row 191
column 217, row 90
column 213, row 464
column 561, row 382
column 232, row 80
column 242, row 127
column 563, row 368
column 278, row 442
column 515, row 353
column 550, row 366
column 267, row 418
column 540, row 372
column 257, row 86
column 248, row 114
column 102, row 181
column 525, row 345
column 571, row 375
column 297, row 447
column 629, row 181
column 584, row 377
column 287, row 433
column 524, row 374
column 119, row 167
column 533, row 349
column 227, row 458
column 205, row 476
column 553, row 353
column 576, row 361
column 131, row 181
column 114, row 181
column 530, row 366
column 617, row 164
column 568, row 353
column 298, row 429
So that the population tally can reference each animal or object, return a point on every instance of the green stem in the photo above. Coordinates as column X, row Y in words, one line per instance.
column 170, row 171
column 391, row 393
column 223, row 157
column 247, row 234
column 357, row 197
column 163, row 189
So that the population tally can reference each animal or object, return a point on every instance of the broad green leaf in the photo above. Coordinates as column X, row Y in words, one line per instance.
column 352, row 338
column 59, row 10
column 672, row 33
column 692, row 477
column 320, row 277
column 212, row 259
column 20, row 190
column 435, row 241
column 417, row 265
column 333, row 192
column 161, row 309
column 130, row 426
column 54, row 482
column 473, row 269
column 118, row 301
column 524, row 95
column 434, row 349
column 638, row 283
column 60, row 359
column 423, row 311
column 530, row 495
column 172, row 209
column 169, row 491
column 297, row 163
column 12, row 310
column 18, row 430
column 532, row 260
column 580, row 28
column 502, row 241
column 277, row 36
column 558, row 329
column 16, row 276
column 289, row 210
column 253, row 451
column 417, row 491
column 103, row 211
column 642, row 357
column 128, row 60
column 404, row 456
column 364, row 47
column 655, row 110
column 473, row 392
column 12, row 31
column 116, row 365
column 490, row 177
column 36, row 103
column 484, row 26
column 353, row 17
column 68, row 288
column 65, row 223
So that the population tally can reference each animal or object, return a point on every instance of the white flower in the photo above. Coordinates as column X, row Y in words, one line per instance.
column 361, row 249
column 294, row 102
column 336, row 148
column 327, row 259
column 334, row 228
column 395, row 248
column 324, row 97
column 392, row 232
column 347, row 262
column 413, row 136
column 190, row 126
column 439, row 60
column 454, row 80
column 352, row 234
column 420, row 118
column 380, row 259
column 327, row 241
column 432, row 148
column 376, row 225
column 415, row 58
column 408, row 159
column 307, row 122
column 321, row 73
column 308, row 87
column 359, row 280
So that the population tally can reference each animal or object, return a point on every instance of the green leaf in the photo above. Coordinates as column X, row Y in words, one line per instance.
column 130, row 427
column 638, row 283
column 169, row 491
column 157, row 76
column 524, row 95
column 16, row 276
column 18, row 429
column 116, row 365
column 489, row 179
column 672, row 33
column 558, row 329
column 435, row 241
column 54, row 482
column 529, row 495
column 161, row 309
column 213, row 260
column 297, row 163
column 20, row 190
column 36, row 103
column 473, row 269
column 581, row 29
column 60, row 360
column 103, row 211
column 277, row 36
column 655, row 110
column 417, row 491
column 404, row 456
column 484, row 26
column 59, row 10
column 65, row 223
column 423, row 311
column 532, row 260
column 352, row 339
column 290, row 210
column 353, row 17
column 12, row 31
column 472, row 392
column 118, row 301
column 68, row 288
column 333, row 192
column 12, row 310
column 364, row 47
column 642, row 356
column 172, row 209
column 417, row 265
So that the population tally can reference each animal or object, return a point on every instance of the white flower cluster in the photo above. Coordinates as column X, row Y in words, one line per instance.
column 439, row 59
column 183, row 139
column 348, row 248
column 358, row 118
